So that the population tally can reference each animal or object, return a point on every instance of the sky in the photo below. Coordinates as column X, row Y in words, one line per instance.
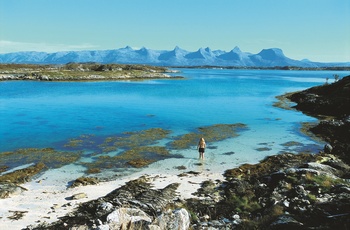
column 318, row 30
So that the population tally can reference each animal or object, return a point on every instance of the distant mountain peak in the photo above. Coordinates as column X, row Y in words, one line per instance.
column 236, row 50
column 196, row 55
column 128, row 48
column 177, row 57
column 207, row 50
column 271, row 53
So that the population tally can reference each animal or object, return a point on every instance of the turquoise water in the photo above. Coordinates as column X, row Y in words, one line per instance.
column 44, row 114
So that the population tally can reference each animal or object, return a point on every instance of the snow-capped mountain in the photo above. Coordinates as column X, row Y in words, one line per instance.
column 176, row 57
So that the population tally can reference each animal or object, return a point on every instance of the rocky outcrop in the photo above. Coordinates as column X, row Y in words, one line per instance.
column 330, row 103
column 307, row 193
column 133, row 206
column 326, row 100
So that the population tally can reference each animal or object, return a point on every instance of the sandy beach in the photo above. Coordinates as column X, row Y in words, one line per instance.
column 48, row 200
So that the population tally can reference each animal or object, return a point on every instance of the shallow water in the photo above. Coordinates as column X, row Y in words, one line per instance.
column 48, row 114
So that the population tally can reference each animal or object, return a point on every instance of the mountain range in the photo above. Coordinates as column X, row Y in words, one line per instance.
column 272, row 57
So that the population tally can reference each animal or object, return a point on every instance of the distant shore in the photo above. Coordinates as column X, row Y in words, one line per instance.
column 83, row 72
column 340, row 68
column 116, row 72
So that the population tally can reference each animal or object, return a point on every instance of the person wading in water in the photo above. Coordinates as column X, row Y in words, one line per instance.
column 201, row 148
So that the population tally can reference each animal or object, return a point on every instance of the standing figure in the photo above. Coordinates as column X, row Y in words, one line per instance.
column 201, row 148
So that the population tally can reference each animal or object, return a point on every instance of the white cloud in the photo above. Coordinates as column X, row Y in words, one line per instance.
column 11, row 46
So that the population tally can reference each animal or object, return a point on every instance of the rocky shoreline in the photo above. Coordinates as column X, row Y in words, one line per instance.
column 285, row 191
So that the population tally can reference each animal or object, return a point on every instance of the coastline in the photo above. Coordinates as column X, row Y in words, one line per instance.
column 45, row 202
column 54, row 202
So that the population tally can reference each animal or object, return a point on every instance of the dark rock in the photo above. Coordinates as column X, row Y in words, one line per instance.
column 329, row 100
column 82, row 181
column 286, row 222
column 340, row 188
column 135, row 201
column 332, row 99
column 327, row 148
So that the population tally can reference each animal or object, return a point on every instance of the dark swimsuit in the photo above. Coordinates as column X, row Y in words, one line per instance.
column 201, row 150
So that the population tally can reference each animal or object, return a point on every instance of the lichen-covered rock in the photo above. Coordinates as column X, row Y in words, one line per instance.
column 178, row 219
column 126, row 216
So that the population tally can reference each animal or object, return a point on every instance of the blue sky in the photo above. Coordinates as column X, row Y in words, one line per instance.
column 315, row 29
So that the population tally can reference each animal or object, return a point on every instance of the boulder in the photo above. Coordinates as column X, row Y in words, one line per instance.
column 327, row 148
column 79, row 196
column 178, row 219
column 322, row 168
column 126, row 217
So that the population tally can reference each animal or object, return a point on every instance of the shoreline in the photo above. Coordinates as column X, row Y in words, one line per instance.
column 44, row 202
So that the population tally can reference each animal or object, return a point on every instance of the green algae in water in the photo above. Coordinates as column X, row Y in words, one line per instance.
column 142, row 138
column 212, row 133
column 22, row 175
column 263, row 149
column 136, row 157
column 126, row 140
column 82, row 140
column 292, row 143
column 42, row 159
column 136, row 149
column 130, row 140
column 48, row 156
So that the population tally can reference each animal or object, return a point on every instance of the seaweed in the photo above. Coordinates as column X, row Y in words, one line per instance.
column 217, row 132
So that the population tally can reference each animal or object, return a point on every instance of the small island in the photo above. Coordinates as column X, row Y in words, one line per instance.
column 83, row 72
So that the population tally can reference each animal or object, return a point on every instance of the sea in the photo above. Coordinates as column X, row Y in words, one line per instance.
column 39, row 114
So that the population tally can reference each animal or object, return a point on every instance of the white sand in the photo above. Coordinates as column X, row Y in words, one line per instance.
column 46, row 199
